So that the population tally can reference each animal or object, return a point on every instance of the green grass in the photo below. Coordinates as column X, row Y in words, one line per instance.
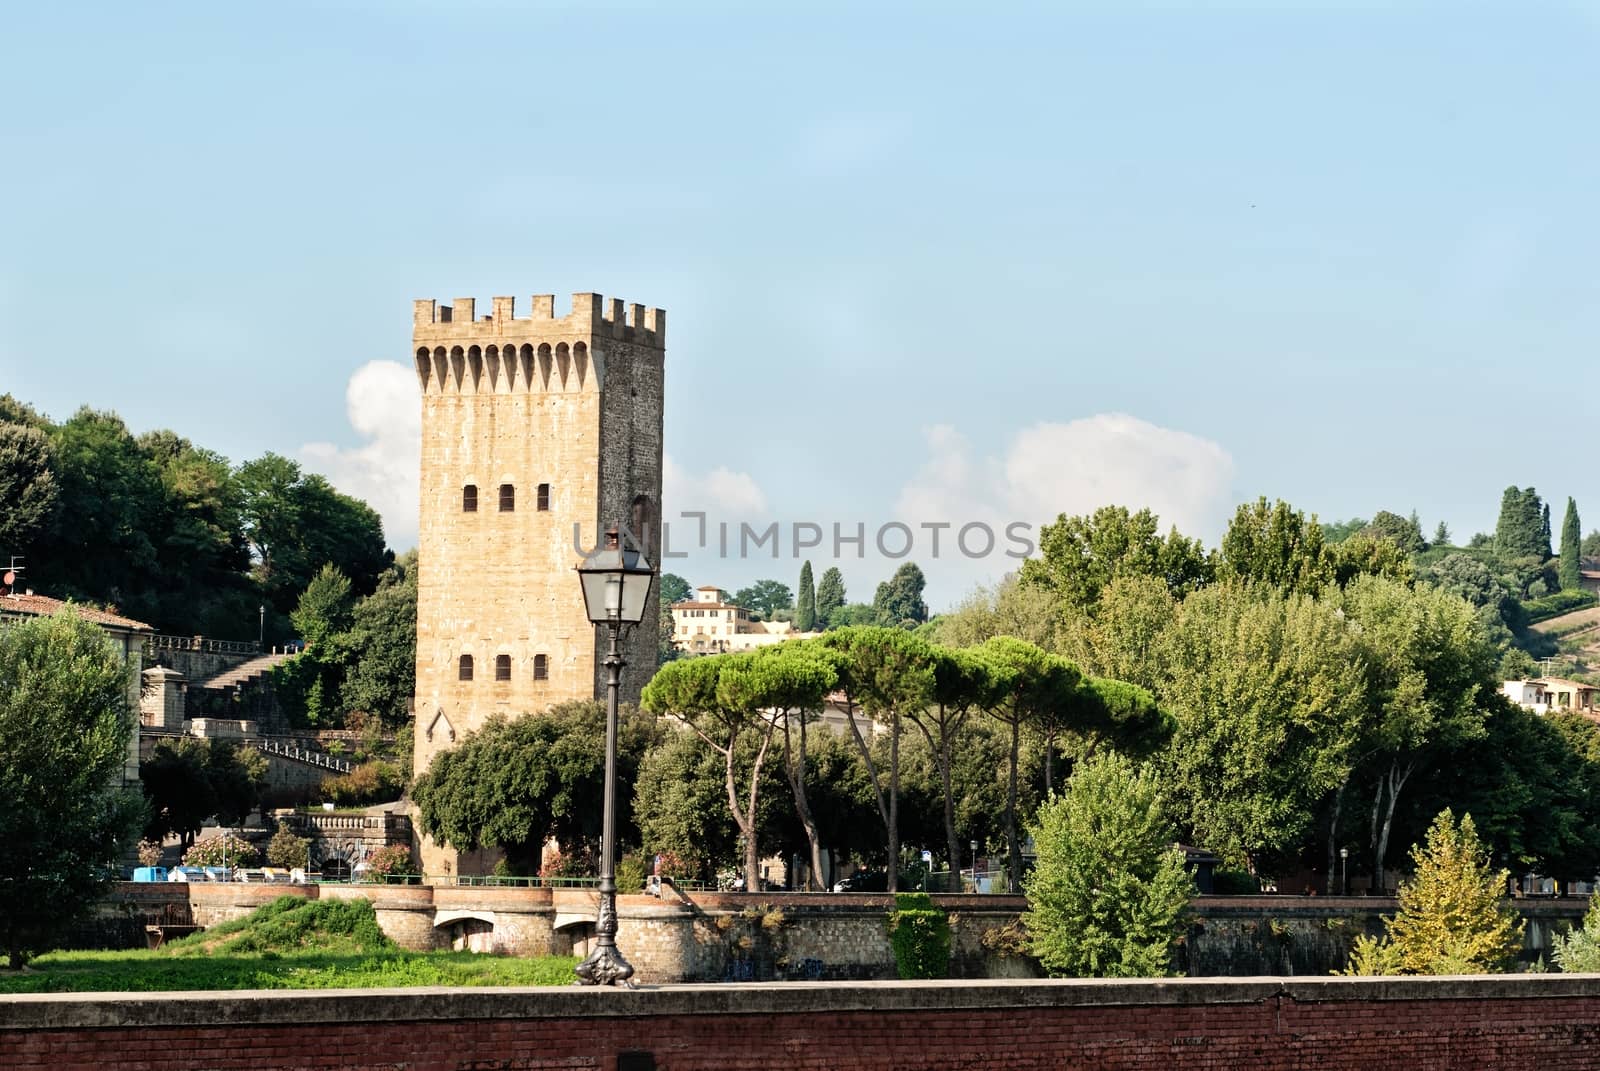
column 288, row 944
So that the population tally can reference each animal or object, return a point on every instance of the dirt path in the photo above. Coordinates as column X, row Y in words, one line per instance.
column 1587, row 616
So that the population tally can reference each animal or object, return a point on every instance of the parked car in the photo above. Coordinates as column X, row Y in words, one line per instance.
column 864, row 881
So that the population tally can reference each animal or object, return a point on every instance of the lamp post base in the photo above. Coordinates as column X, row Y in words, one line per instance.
column 605, row 966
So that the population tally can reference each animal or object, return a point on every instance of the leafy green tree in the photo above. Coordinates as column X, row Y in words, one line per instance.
column 27, row 487
column 188, row 780
column 674, row 588
column 296, row 522
column 963, row 682
column 322, row 617
column 790, row 683
column 1010, row 608
column 1336, row 532
column 1267, row 691
column 1405, row 533
column 805, row 607
column 765, row 597
column 853, row 615
column 1590, row 547
column 716, row 698
column 898, row 601
column 1123, row 637
column 1030, row 685
column 1108, row 893
column 830, row 595
column 287, row 850
column 1276, row 544
column 1079, row 556
column 884, row 673
column 1578, row 952
column 1452, row 918
column 1441, row 535
column 65, row 817
column 379, row 649
column 1571, row 550
column 110, row 501
column 1366, row 555
column 1520, row 530
column 1428, row 665
column 515, row 783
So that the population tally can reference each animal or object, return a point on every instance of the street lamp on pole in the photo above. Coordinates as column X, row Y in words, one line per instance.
column 261, row 627
column 616, row 588
column 1344, row 871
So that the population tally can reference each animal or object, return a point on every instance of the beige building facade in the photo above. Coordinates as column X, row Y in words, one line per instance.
column 539, row 433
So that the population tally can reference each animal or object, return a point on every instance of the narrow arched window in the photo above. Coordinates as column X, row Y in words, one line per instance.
column 469, row 498
column 543, row 501
column 464, row 668
column 502, row 667
column 541, row 667
column 508, row 497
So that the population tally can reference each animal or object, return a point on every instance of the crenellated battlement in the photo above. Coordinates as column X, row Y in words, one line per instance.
column 591, row 315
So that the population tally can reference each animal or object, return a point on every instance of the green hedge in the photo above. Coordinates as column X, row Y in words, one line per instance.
column 1562, row 602
column 919, row 932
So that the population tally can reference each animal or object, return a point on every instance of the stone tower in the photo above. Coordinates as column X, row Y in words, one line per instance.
column 530, row 426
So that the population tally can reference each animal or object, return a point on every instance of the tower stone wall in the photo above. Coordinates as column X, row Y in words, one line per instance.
column 531, row 427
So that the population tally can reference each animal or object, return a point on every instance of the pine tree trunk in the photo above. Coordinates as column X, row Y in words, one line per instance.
column 1013, row 845
column 894, row 802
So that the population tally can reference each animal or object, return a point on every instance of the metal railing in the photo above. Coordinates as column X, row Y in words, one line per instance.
column 300, row 754
column 161, row 641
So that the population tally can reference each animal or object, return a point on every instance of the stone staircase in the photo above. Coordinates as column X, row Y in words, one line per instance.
column 245, row 673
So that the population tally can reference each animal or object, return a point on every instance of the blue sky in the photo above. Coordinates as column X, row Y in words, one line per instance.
column 926, row 262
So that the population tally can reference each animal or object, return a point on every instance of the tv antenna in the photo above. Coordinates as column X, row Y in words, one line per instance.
column 8, row 580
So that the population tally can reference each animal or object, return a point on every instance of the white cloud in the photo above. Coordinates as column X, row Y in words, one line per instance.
column 718, row 493
column 384, row 408
column 1052, row 468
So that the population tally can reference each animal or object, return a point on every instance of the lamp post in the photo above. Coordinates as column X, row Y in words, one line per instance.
column 261, row 627
column 616, row 587
column 1344, row 871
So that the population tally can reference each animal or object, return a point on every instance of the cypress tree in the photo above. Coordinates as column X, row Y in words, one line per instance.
column 1521, row 531
column 805, row 606
column 1544, row 533
column 1571, row 542
column 830, row 595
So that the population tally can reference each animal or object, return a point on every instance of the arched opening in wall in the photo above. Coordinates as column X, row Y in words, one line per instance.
column 491, row 365
column 441, row 367
column 424, row 366
column 542, row 498
column 580, row 361
column 508, row 498
column 545, row 362
column 502, row 667
column 563, row 363
column 642, row 520
column 469, row 498
column 464, row 668
column 458, row 365
column 469, row 935
column 541, row 667
column 526, row 366
column 475, row 365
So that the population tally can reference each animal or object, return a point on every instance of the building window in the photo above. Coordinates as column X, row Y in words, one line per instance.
column 502, row 667
column 508, row 497
column 464, row 668
column 543, row 502
column 469, row 498
column 541, row 667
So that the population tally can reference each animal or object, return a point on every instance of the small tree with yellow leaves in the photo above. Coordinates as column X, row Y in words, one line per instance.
column 1453, row 918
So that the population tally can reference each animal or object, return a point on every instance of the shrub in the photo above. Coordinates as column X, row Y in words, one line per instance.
column 630, row 874
column 149, row 852
column 1561, row 602
column 1234, row 883
column 1578, row 952
column 1452, row 919
column 392, row 860
column 224, row 850
column 371, row 782
column 919, row 932
column 1108, row 895
column 287, row 850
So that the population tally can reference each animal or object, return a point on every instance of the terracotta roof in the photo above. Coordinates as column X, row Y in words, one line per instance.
column 44, row 606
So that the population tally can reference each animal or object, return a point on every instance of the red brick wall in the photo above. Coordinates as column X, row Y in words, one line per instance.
column 1330, row 1024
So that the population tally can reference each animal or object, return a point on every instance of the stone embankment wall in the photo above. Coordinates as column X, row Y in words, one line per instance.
column 1422, row 1024
column 733, row 937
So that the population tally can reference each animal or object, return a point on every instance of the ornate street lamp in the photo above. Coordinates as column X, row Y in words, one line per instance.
column 616, row 589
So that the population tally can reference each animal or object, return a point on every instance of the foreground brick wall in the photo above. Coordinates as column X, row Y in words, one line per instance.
column 1545, row 1021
